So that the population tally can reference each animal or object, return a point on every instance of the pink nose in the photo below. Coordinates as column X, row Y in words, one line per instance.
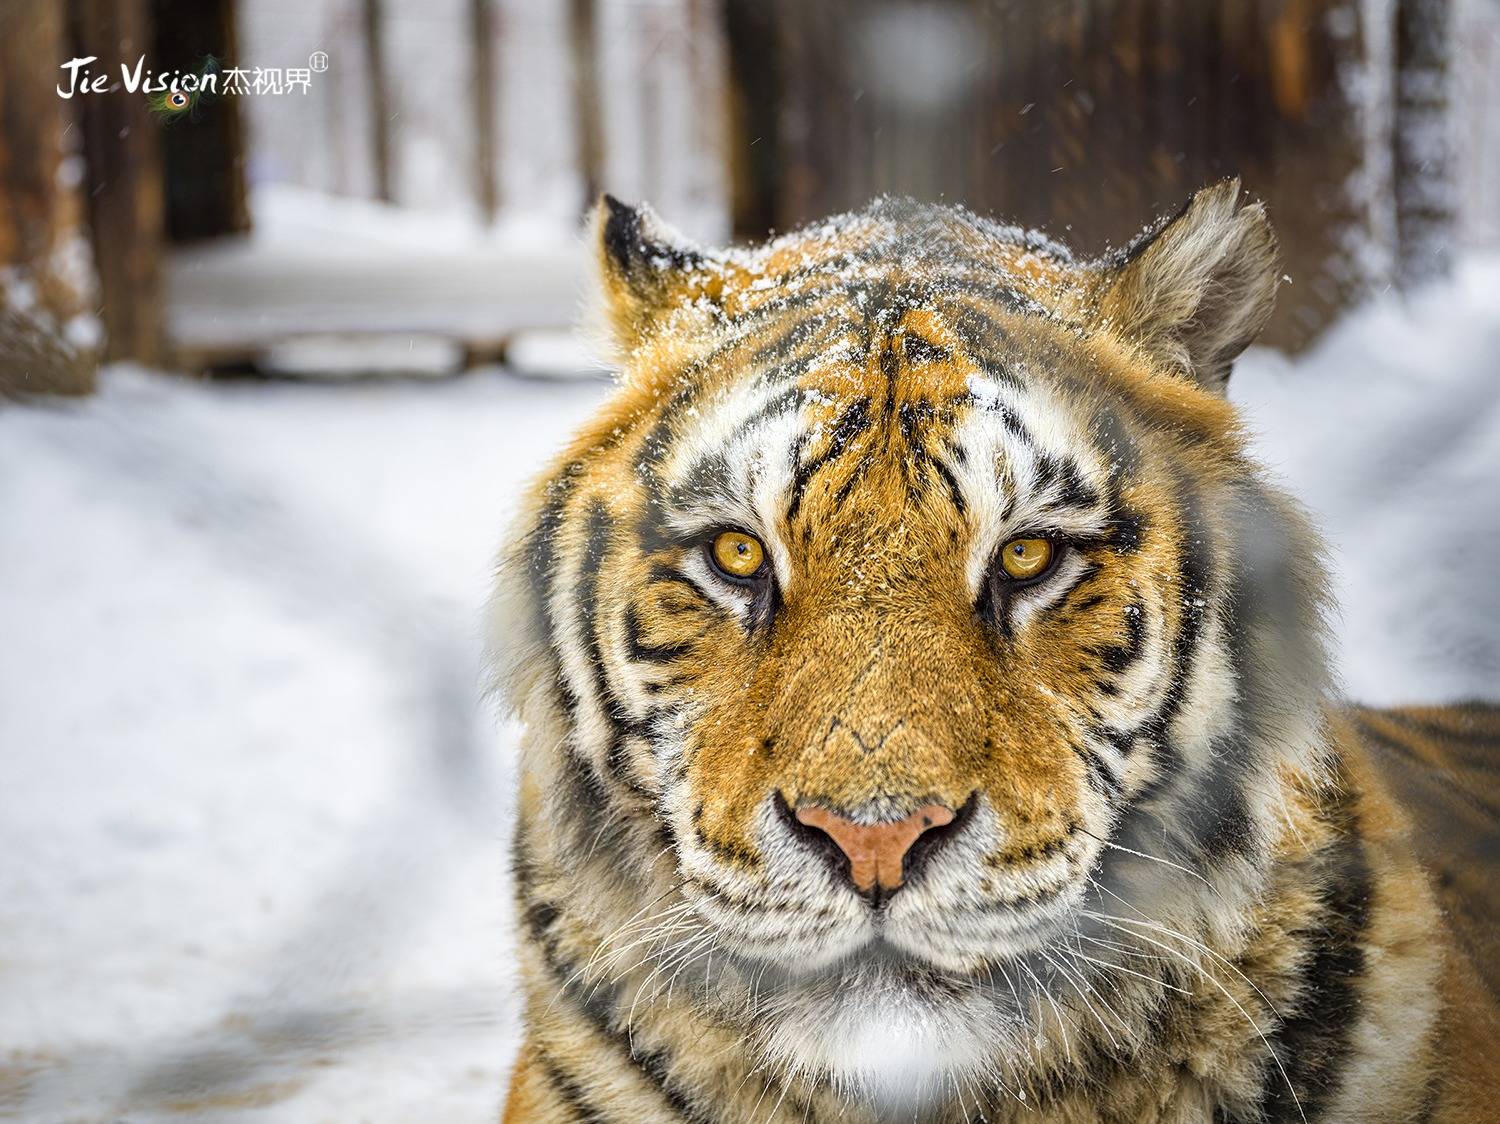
column 875, row 851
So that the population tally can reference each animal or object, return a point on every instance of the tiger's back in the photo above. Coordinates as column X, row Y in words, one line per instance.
column 1442, row 764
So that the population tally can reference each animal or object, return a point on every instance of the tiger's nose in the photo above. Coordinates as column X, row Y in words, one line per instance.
column 876, row 851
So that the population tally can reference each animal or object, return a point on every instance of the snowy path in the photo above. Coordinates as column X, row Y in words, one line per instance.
column 252, row 813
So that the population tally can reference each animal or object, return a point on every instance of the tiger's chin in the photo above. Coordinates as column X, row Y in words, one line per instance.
column 902, row 1022
column 891, row 1032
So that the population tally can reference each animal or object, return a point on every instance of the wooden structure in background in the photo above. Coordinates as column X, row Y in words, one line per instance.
column 1081, row 117
column 583, row 40
column 482, row 21
column 373, row 28
column 1425, row 193
column 1086, row 117
column 46, row 274
column 126, row 202
column 204, row 158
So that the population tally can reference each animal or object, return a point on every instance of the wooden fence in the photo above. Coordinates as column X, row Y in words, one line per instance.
column 1085, row 117
column 1089, row 117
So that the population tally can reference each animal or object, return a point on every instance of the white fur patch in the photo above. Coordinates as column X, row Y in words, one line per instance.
column 888, row 1046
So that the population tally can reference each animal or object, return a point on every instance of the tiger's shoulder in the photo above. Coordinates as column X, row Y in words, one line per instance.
column 1441, row 765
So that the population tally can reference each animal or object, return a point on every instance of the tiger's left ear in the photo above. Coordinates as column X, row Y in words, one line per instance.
column 645, row 269
column 1195, row 292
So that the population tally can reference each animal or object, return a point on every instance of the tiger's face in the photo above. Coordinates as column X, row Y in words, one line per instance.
column 900, row 602
column 914, row 567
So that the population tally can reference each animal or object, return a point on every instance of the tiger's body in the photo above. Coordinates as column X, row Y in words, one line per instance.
column 832, row 811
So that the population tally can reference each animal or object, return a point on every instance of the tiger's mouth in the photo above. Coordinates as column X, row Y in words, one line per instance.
column 906, row 945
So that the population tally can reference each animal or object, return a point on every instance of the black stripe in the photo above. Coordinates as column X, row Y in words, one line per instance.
column 616, row 714
column 1096, row 771
column 983, row 288
column 541, row 546
column 1118, row 657
column 655, row 445
column 890, row 369
column 538, row 915
column 854, row 477
column 706, row 483
column 1122, row 740
column 734, row 854
column 1063, row 472
column 1477, row 802
column 854, row 421
column 985, row 341
column 776, row 405
column 1314, row 1043
column 585, row 789
column 1013, row 424
column 644, row 652
column 1215, row 818
column 914, row 417
column 598, row 1003
column 802, row 332
column 1115, row 438
column 1466, row 726
column 950, row 481
column 1126, row 528
column 919, row 350
column 662, row 574
column 573, row 1098
column 1193, row 571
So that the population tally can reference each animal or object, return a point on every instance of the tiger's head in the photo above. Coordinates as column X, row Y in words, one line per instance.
column 911, row 604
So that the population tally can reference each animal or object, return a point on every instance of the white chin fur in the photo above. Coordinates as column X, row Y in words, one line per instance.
column 887, row 1045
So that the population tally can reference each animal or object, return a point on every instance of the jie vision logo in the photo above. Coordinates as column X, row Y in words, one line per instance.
column 180, row 90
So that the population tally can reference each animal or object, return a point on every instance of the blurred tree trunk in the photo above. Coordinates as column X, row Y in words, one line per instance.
column 205, row 156
column 1085, row 118
column 482, row 30
column 1423, row 158
column 125, row 196
column 754, row 135
column 1318, row 151
column 711, row 110
column 373, row 26
column 47, row 332
column 584, row 48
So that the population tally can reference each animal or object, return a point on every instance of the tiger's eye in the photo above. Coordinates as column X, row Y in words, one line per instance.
column 1026, row 558
column 738, row 554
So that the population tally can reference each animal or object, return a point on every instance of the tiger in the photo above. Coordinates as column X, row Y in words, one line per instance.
column 928, row 713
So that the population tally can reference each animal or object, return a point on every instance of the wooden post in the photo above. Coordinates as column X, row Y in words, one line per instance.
column 486, row 115
column 125, row 194
column 1319, row 148
column 753, row 144
column 1422, row 167
column 380, row 106
column 47, row 332
column 583, row 40
column 204, row 156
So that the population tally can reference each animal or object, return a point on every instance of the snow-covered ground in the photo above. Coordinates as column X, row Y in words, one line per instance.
column 252, row 809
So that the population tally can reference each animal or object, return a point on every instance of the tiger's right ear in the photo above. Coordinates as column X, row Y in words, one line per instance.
column 645, row 269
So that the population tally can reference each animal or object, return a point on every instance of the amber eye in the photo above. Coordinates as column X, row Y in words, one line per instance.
column 1022, row 559
column 737, row 554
